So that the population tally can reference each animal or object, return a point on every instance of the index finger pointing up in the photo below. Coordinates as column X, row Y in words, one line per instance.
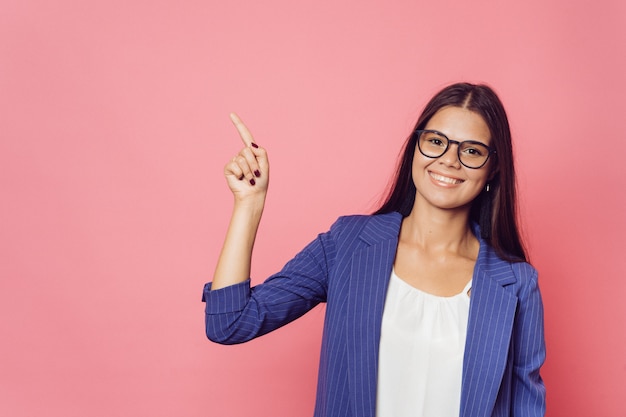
column 245, row 134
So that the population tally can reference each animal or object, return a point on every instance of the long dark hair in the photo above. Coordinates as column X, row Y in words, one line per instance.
column 495, row 210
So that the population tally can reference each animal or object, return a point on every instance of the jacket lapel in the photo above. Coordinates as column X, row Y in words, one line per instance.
column 491, row 316
column 369, row 276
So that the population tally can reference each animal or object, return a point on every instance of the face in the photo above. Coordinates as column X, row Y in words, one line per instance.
column 444, row 182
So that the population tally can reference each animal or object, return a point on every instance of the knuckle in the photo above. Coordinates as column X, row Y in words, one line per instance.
column 246, row 152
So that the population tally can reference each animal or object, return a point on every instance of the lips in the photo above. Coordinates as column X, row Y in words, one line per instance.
column 447, row 180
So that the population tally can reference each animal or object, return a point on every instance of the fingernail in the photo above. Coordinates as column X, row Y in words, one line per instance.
column 257, row 173
column 254, row 145
column 252, row 181
column 240, row 178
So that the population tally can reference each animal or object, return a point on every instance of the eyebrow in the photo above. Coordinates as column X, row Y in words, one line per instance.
column 459, row 141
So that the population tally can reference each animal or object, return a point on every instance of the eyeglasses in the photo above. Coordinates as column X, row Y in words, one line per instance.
column 471, row 153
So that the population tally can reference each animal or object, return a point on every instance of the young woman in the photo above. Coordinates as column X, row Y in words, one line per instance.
column 432, row 308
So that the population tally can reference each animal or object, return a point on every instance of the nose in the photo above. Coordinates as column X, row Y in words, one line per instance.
column 451, row 156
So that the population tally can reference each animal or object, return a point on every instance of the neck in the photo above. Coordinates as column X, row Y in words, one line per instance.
column 436, row 229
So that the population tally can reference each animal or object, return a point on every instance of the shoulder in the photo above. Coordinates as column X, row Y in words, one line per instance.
column 387, row 219
column 527, row 278
column 524, row 271
column 515, row 275
column 366, row 225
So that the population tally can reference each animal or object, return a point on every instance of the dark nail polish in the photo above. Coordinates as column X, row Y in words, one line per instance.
column 240, row 178
column 254, row 145
column 257, row 173
column 252, row 181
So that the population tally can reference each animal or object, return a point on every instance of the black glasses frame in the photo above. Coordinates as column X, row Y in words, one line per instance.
column 458, row 148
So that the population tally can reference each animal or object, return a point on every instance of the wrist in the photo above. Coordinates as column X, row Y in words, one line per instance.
column 249, row 205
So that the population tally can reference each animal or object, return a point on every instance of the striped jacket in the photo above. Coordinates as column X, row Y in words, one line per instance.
column 349, row 267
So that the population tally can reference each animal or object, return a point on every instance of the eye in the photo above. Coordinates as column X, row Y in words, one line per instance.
column 474, row 150
column 434, row 140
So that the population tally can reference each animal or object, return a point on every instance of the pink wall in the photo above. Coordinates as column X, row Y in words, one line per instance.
column 113, row 133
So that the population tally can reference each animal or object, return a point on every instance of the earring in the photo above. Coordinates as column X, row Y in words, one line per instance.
column 487, row 188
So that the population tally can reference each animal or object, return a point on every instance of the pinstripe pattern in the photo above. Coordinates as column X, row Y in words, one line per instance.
column 349, row 268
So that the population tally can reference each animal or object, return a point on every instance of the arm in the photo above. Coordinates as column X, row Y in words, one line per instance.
column 247, row 175
column 529, row 392
column 234, row 312
column 238, row 313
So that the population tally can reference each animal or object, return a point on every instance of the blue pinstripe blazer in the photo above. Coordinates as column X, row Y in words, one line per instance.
column 349, row 267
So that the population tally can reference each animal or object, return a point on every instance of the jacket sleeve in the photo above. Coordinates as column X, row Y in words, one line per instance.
column 528, row 390
column 239, row 313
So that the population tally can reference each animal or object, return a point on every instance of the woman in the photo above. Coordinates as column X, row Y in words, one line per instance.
column 432, row 309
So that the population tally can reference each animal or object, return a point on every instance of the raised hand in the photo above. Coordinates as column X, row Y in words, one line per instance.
column 247, row 173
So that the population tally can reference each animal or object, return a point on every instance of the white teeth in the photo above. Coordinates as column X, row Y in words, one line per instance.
column 445, row 179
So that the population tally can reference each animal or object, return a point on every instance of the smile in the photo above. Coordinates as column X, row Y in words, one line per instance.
column 447, row 180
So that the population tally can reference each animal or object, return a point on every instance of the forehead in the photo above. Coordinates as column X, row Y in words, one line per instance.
column 460, row 124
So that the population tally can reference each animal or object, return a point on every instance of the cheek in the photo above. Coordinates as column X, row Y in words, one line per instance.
column 483, row 175
column 418, row 168
column 481, row 179
column 420, row 161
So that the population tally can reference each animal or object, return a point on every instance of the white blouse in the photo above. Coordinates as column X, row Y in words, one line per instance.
column 421, row 352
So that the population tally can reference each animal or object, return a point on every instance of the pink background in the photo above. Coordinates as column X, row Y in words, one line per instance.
column 114, row 129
